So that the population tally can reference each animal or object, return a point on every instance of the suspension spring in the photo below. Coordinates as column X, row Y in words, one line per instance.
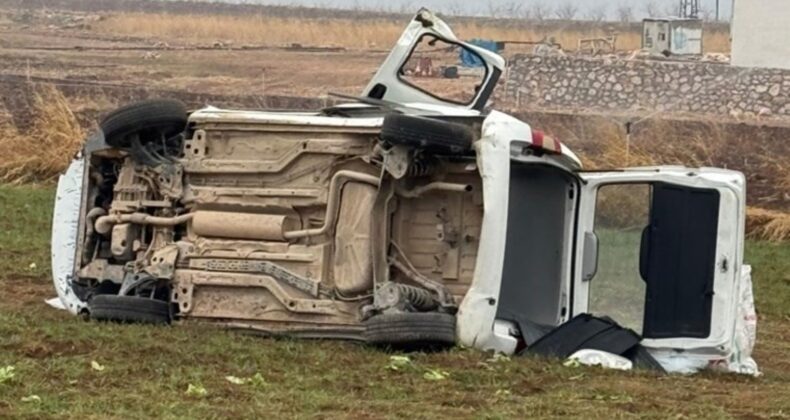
column 421, row 167
column 420, row 299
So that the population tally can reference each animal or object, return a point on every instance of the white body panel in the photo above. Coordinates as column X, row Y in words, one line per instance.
column 65, row 224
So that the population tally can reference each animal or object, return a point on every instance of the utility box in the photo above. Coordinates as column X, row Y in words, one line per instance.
column 672, row 36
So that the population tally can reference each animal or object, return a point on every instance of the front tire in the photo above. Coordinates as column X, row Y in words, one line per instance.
column 431, row 135
column 152, row 118
column 129, row 309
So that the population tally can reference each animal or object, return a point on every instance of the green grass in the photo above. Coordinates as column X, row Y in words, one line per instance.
column 25, row 220
column 147, row 370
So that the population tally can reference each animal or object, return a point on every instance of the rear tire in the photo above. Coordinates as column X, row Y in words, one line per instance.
column 429, row 134
column 411, row 331
column 151, row 118
column 129, row 309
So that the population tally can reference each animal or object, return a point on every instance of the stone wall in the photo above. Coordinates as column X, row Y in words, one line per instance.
column 646, row 87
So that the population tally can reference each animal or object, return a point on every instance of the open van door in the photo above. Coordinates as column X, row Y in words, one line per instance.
column 429, row 65
column 660, row 251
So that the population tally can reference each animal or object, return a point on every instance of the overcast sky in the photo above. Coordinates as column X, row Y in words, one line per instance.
column 485, row 7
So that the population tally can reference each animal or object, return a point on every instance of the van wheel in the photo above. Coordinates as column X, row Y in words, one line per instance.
column 130, row 309
column 150, row 119
column 432, row 135
column 411, row 330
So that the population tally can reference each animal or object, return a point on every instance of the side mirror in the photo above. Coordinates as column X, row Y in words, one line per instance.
column 590, row 258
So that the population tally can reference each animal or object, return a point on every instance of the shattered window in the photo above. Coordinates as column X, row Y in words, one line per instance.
column 444, row 70
column 622, row 211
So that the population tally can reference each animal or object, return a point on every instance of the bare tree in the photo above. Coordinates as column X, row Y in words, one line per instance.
column 513, row 9
column 596, row 14
column 525, row 12
column 651, row 9
column 493, row 9
column 406, row 8
column 455, row 9
column 566, row 11
column 672, row 10
column 539, row 11
column 625, row 13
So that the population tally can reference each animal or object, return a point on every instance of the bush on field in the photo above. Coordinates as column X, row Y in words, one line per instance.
column 628, row 209
column 45, row 150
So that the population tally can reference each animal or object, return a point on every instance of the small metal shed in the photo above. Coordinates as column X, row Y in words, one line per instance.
column 676, row 36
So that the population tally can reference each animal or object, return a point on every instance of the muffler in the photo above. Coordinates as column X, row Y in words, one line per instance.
column 262, row 227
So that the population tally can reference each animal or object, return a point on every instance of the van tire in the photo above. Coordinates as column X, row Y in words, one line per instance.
column 150, row 117
column 411, row 331
column 429, row 134
column 129, row 309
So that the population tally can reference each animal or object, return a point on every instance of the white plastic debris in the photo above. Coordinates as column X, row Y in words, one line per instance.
column 56, row 303
column 741, row 360
column 589, row 357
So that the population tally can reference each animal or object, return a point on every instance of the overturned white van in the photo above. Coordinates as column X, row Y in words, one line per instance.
column 412, row 217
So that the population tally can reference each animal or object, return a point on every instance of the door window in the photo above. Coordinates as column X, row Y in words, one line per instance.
column 617, row 290
column 434, row 68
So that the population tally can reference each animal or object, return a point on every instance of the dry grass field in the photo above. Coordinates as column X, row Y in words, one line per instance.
column 351, row 34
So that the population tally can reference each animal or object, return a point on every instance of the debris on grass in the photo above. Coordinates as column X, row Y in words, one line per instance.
column 503, row 393
column 97, row 366
column 31, row 399
column 196, row 391
column 256, row 380
column 435, row 375
column 236, row 380
column 398, row 363
column 6, row 374
column 495, row 359
column 498, row 358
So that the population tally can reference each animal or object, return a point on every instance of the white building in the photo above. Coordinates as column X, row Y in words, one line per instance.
column 761, row 33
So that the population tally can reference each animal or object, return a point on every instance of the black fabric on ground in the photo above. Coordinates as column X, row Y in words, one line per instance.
column 585, row 332
column 531, row 332
column 589, row 332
